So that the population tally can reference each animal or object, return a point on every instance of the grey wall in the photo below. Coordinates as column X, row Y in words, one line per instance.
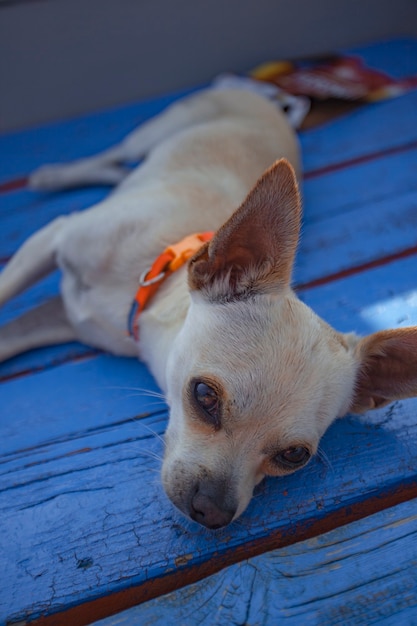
column 60, row 58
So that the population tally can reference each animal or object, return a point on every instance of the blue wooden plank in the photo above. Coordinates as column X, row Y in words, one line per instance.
column 44, row 358
column 352, row 137
column 360, row 186
column 107, row 492
column 79, row 395
column 133, row 439
column 362, row 235
column 363, row 573
column 381, row 298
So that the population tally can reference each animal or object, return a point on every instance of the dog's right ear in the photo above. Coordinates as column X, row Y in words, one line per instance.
column 253, row 252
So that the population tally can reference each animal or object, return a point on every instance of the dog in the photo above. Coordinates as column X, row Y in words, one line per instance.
column 252, row 376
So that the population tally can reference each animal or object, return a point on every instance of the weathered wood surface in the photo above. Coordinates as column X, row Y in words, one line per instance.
column 363, row 573
column 85, row 527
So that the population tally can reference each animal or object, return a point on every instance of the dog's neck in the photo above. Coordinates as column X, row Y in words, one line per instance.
column 161, row 322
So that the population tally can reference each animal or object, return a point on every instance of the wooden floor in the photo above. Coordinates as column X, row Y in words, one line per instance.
column 85, row 528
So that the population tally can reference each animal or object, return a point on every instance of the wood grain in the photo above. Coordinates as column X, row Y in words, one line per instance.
column 363, row 573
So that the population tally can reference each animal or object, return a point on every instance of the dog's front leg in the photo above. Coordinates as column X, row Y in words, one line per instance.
column 108, row 167
column 104, row 168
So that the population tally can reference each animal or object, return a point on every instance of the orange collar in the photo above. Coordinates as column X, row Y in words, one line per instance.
column 169, row 261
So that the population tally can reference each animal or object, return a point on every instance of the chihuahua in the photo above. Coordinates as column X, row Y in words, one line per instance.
column 252, row 376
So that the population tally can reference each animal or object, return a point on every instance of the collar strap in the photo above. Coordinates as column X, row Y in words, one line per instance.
column 172, row 258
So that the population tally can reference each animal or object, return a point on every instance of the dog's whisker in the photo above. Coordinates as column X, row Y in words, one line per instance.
column 149, row 454
column 152, row 394
column 154, row 433
column 145, row 455
column 257, row 495
column 133, row 446
column 140, row 391
column 152, row 405
column 148, row 392
column 152, row 469
column 241, row 523
column 140, row 395
column 324, row 458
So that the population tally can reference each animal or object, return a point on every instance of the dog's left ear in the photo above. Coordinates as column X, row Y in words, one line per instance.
column 253, row 252
column 387, row 368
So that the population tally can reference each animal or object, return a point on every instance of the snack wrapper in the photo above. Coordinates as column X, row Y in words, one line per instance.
column 333, row 77
column 313, row 91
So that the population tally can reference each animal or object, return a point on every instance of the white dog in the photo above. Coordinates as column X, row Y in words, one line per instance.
column 252, row 376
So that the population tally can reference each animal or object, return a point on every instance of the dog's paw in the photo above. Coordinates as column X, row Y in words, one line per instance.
column 48, row 178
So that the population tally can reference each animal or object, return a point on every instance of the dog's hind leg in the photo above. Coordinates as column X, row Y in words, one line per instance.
column 35, row 259
column 109, row 167
column 44, row 325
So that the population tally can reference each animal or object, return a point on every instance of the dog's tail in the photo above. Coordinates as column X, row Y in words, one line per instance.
column 34, row 260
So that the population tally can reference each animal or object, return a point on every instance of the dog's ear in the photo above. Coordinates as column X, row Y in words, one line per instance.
column 253, row 252
column 387, row 368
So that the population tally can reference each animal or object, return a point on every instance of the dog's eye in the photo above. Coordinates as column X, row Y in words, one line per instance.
column 208, row 400
column 293, row 457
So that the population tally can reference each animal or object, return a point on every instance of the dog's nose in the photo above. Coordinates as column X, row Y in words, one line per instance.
column 211, row 514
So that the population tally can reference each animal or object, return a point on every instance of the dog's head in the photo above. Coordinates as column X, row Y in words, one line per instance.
column 255, row 377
